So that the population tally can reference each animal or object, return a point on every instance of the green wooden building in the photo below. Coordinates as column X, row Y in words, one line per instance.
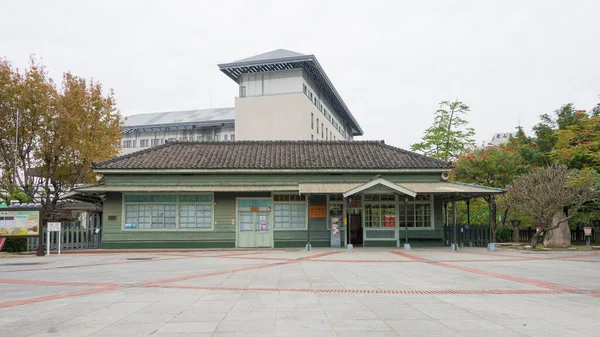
column 275, row 194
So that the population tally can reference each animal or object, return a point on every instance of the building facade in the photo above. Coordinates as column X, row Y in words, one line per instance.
column 275, row 194
column 283, row 95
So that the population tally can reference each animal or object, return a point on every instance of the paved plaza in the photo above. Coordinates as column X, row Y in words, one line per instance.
column 292, row 292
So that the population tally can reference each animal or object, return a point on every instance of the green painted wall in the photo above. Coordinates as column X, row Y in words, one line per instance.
column 224, row 233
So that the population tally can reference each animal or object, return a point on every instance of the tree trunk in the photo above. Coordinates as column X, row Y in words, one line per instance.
column 559, row 237
column 534, row 239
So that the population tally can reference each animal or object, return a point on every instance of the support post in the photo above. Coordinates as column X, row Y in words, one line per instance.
column 468, row 201
column 406, row 244
column 308, row 246
column 491, row 245
column 346, row 223
column 455, row 244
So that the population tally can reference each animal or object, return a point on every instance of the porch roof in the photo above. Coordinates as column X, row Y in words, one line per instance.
column 438, row 188
column 221, row 188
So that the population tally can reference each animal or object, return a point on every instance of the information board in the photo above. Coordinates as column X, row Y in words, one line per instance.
column 19, row 223
column 317, row 212
column 336, row 241
column 53, row 226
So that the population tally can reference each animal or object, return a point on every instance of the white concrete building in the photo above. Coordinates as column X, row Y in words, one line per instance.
column 283, row 95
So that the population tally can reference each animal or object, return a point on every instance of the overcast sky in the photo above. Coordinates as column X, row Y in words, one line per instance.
column 391, row 61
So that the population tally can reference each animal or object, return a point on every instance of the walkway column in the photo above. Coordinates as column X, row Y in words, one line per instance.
column 468, row 201
column 491, row 245
column 308, row 245
column 346, row 223
column 406, row 244
column 455, row 244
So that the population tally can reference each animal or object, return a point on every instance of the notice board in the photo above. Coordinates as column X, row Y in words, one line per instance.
column 19, row 223
column 317, row 212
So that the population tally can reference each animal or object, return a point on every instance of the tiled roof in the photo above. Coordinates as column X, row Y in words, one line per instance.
column 302, row 155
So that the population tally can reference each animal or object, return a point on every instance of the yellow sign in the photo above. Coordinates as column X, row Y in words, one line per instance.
column 19, row 223
column 317, row 212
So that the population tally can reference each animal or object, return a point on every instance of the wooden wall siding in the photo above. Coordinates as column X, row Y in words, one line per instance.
column 318, row 227
column 251, row 179
column 225, row 232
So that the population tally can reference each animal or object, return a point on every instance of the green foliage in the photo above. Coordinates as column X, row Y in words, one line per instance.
column 479, row 212
column 449, row 135
column 15, row 245
column 493, row 166
column 578, row 145
column 503, row 234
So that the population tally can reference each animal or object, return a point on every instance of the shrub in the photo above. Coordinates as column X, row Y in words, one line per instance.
column 15, row 245
column 503, row 234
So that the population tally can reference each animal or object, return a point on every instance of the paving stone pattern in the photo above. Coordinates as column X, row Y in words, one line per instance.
column 292, row 292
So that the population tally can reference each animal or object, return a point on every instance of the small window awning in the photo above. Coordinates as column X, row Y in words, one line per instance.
column 220, row 188
column 380, row 182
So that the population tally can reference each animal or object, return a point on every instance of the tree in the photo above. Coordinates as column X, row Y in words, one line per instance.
column 449, row 135
column 543, row 193
column 493, row 166
column 61, row 131
column 578, row 146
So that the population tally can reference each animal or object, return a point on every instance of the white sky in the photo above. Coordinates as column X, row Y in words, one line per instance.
column 391, row 61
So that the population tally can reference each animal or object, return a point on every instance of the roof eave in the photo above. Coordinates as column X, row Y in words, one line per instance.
column 267, row 171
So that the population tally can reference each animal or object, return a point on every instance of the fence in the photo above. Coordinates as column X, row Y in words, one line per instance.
column 577, row 234
column 468, row 236
column 74, row 235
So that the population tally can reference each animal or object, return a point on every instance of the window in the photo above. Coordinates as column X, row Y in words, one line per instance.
column 225, row 137
column 159, row 211
column 217, row 138
column 326, row 134
column 380, row 215
column 243, row 91
column 304, row 88
column 155, row 142
column 317, row 126
column 232, row 137
column 312, row 137
column 330, row 135
column 310, row 95
column 143, row 143
column 127, row 144
column 312, row 121
column 416, row 213
column 322, row 129
column 289, row 211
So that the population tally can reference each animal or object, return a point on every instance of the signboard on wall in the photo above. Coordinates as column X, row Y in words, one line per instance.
column 317, row 212
column 19, row 223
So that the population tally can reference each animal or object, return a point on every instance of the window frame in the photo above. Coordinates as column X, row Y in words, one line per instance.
column 177, row 204
column 430, row 202
column 306, row 213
